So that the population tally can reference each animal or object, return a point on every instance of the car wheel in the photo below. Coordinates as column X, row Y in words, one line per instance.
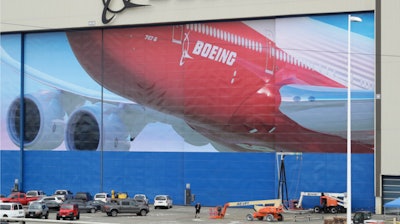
column 249, row 217
column 58, row 217
column 92, row 210
column 78, row 216
column 114, row 213
column 143, row 212
column 317, row 209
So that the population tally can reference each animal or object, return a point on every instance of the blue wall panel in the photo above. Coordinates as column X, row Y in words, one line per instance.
column 215, row 178
column 9, row 170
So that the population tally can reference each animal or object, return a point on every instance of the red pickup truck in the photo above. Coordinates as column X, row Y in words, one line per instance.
column 19, row 197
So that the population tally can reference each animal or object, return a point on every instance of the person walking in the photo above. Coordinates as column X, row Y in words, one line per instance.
column 197, row 208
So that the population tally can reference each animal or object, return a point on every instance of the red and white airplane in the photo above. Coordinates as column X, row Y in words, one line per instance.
column 231, row 83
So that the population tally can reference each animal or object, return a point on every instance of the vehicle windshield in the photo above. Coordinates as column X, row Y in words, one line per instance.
column 35, row 206
column 5, row 207
column 139, row 197
column 67, row 206
column 161, row 198
column 12, row 196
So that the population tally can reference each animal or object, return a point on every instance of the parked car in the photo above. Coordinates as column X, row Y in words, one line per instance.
column 141, row 197
column 35, row 193
column 85, row 196
column 105, row 197
column 19, row 197
column 97, row 204
column 82, row 205
column 70, row 211
column 37, row 210
column 162, row 201
column 64, row 194
column 52, row 202
column 126, row 206
column 11, row 210
column 360, row 217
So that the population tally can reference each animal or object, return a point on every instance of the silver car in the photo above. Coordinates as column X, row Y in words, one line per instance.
column 37, row 210
column 53, row 202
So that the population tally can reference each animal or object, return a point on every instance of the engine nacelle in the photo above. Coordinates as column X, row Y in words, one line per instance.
column 85, row 132
column 44, row 120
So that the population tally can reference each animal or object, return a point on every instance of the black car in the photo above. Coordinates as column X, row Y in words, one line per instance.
column 97, row 204
column 84, row 196
column 82, row 205
column 360, row 216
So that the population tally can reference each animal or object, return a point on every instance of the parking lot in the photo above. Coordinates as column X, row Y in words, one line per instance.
column 185, row 214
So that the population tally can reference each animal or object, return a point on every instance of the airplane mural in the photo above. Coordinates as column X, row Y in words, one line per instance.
column 254, row 85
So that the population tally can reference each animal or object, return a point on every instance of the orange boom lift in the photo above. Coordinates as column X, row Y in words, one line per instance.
column 270, row 209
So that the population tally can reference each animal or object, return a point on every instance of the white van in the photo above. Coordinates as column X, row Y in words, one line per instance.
column 164, row 201
column 12, row 210
column 102, row 197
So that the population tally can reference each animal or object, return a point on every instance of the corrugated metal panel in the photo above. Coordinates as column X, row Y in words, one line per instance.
column 390, row 188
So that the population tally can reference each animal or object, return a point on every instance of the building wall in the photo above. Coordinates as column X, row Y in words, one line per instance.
column 215, row 178
column 74, row 14
column 387, row 123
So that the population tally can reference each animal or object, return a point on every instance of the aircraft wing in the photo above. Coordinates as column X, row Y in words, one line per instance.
column 324, row 109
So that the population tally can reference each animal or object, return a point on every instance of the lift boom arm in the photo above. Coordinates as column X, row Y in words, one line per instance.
column 272, row 203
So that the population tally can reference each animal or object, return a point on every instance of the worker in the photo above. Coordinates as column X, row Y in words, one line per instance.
column 219, row 209
column 197, row 207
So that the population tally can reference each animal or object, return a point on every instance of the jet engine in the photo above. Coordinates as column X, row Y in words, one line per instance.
column 43, row 121
column 97, row 127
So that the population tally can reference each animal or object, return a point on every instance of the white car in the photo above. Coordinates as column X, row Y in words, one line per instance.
column 162, row 201
column 104, row 197
column 64, row 194
column 35, row 193
column 12, row 210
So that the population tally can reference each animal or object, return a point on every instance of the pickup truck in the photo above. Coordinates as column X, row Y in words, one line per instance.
column 126, row 206
column 19, row 197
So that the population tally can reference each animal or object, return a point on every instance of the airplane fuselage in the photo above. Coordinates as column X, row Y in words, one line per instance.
column 223, row 79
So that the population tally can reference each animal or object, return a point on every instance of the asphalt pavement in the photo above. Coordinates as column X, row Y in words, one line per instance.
column 186, row 214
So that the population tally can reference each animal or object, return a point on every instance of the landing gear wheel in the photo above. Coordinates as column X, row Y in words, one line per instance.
column 249, row 217
column 270, row 218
